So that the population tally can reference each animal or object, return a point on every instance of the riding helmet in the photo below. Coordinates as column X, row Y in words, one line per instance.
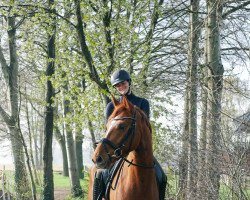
column 119, row 76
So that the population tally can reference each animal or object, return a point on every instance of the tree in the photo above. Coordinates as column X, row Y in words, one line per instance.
column 151, row 40
column 71, row 150
column 193, row 53
column 48, row 192
column 215, row 85
column 12, row 120
column 189, row 160
column 60, row 137
column 202, row 170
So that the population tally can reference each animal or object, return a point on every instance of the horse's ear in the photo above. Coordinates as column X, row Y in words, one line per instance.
column 115, row 101
column 126, row 103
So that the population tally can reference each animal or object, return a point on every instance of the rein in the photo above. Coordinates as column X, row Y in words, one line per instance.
column 138, row 165
column 130, row 163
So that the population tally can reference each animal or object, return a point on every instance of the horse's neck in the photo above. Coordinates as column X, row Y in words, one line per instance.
column 142, row 156
column 144, row 151
column 141, row 174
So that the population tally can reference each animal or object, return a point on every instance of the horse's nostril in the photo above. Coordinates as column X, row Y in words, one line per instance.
column 99, row 159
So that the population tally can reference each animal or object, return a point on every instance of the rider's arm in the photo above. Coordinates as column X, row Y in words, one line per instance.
column 109, row 110
column 145, row 107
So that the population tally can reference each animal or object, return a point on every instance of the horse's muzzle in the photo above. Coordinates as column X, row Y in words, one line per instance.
column 100, row 162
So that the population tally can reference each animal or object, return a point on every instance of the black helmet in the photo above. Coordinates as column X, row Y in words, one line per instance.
column 119, row 76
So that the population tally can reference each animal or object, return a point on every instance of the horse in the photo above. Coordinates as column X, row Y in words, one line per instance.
column 128, row 138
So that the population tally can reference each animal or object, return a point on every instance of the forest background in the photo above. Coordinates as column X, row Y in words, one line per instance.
column 190, row 59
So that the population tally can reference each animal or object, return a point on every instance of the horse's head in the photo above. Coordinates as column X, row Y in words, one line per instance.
column 122, row 134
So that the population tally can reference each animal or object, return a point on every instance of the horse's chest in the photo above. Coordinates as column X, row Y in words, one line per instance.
column 131, row 186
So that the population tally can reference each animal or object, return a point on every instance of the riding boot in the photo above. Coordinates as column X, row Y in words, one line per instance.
column 161, row 180
column 98, row 186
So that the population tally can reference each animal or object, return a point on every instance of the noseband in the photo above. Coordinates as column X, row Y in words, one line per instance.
column 118, row 148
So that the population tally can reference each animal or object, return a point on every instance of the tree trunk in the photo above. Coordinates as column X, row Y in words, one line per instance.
column 79, row 153
column 30, row 143
column 60, row 137
column 194, row 33
column 35, row 140
column 183, row 161
column 215, row 85
column 93, row 74
column 61, row 140
column 71, row 152
column 48, row 182
column 41, row 139
column 21, row 178
column 202, row 170
column 28, row 162
column 91, row 129
column 202, row 166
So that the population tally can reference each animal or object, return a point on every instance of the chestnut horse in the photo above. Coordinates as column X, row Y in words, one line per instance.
column 128, row 137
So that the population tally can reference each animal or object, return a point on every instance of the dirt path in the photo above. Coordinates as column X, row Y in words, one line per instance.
column 61, row 194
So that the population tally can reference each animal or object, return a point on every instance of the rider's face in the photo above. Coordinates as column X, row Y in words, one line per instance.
column 122, row 87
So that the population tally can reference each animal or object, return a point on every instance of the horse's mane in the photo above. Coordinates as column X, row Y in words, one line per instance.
column 144, row 117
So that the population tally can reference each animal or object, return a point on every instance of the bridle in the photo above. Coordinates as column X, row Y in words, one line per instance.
column 118, row 148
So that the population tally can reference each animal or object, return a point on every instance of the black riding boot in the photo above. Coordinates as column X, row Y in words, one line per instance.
column 98, row 186
column 161, row 180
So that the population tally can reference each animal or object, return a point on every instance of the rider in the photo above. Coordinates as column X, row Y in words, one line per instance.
column 121, row 80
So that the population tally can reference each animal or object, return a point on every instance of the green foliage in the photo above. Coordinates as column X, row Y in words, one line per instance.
column 157, row 63
column 165, row 131
column 128, row 28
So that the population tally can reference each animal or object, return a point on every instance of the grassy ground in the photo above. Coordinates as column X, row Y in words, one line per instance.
column 62, row 185
column 225, row 191
column 62, row 182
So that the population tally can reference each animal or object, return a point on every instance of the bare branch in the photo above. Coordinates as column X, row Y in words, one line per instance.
column 235, row 9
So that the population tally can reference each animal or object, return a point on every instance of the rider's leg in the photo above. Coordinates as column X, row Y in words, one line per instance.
column 161, row 179
column 99, row 185
column 101, row 180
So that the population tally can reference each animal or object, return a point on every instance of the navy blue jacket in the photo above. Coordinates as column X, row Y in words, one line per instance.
column 138, row 101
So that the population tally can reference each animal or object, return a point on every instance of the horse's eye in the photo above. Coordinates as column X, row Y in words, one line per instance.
column 122, row 126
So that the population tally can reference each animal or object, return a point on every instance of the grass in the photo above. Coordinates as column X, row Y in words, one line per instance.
column 60, row 182
column 226, row 193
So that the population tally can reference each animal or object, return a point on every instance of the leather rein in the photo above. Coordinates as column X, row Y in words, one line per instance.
column 118, row 148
